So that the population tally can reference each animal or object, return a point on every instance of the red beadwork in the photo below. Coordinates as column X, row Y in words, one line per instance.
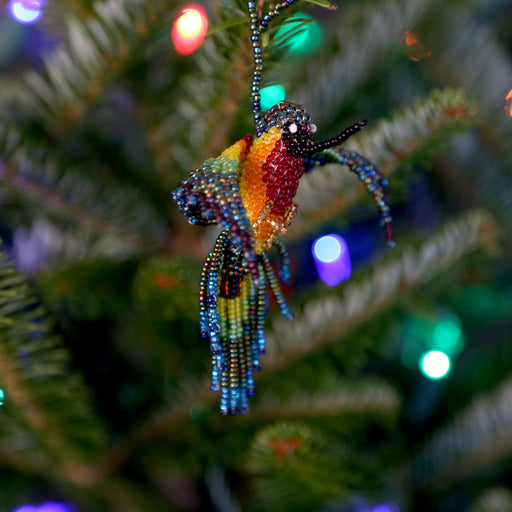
column 248, row 139
column 281, row 173
column 388, row 230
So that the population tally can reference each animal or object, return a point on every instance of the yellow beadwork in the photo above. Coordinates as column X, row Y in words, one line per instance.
column 236, row 151
column 223, row 313
column 268, row 226
column 252, row 187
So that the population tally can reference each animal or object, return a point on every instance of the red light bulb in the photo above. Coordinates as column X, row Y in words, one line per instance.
column 189, row 29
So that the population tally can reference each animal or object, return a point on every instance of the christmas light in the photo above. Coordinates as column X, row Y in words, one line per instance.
column 299, row 35
column 416, row 50
column 25, row 11
column 447, row 335
column 2, row 396
column 423, row 335
column 435, row 364
column 49, row 506
column 366, row 506
column 53, row 506
column 189, row 29
column 327, row 248
column 388, row 507
column 271, row 95
column 332, row 259
column 508, row 104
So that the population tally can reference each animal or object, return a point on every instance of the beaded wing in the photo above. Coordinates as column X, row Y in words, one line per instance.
column 249, row 189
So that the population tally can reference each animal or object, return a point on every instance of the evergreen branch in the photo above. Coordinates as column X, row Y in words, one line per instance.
column 222, row 118
column 367, row 397
column 199, row 125
column 44, row 244
column 298, row 466
column 57, row 12
column 32, row 173
column 122, row 495
column 363, row 39
column 80, row 9
column 467, row 46
column 474, row 438
column 47, row 419
column 482, row 174
column 410, row 133
column 495, row 499
column 485, row 161
column 396, row 141
column 23, row 442
column 77, row 73
column 234, row 22
column 58, row 205
column 327, row 319
column 196, row 123
column 323, row 3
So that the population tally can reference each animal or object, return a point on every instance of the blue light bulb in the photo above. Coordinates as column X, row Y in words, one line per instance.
column 25, row 11
column 332, row 259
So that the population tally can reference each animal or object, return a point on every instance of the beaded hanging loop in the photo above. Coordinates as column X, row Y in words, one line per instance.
column 249, row 189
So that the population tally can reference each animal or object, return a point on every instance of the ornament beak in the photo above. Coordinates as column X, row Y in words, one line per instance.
column 317, row 147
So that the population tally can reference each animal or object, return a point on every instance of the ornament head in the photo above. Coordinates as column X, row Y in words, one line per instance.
column 298, row 132
column 296, row 126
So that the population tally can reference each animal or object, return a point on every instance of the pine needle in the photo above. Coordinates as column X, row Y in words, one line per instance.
column 326, row 319
column 408, row 135
column 474, row 438
column 47, row 423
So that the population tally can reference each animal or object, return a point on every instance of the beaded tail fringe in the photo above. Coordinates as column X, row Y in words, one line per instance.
column 232, row 316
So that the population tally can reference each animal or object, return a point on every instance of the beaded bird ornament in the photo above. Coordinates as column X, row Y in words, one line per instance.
column 249, row 190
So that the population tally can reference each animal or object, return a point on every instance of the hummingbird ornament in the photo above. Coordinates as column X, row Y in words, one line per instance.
column 249, row 190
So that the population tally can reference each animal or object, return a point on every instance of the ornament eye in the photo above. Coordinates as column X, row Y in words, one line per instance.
column 293, row 128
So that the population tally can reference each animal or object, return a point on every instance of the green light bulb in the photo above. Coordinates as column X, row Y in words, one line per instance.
column 448, row 336
column 271, row 95
column 300, row 34
column 435, row 364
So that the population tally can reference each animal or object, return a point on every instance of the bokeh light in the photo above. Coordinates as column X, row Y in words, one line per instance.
column 447, row 336
column 26, row 11
column 508, row 103
column 2, row 396
column 300, row 34
column 271, row 95
column 442, row 336
column 366, row 506
column 435, row 364
column 414, row 48
column 388, row 507
column 332, row 259
column 327, row 248
column 189, row 29
column 49, row 506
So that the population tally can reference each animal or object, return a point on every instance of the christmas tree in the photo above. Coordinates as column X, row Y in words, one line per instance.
column 389, row 391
